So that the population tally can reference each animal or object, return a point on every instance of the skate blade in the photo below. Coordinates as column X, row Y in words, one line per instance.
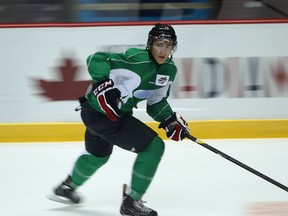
column 59, row 199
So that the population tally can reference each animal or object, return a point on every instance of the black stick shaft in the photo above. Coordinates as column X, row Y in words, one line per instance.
column 233, row 160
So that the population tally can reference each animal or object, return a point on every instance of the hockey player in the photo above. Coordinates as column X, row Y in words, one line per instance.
column 120, row 81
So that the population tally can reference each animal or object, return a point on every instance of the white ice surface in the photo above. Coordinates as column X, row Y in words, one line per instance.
column 191, row 180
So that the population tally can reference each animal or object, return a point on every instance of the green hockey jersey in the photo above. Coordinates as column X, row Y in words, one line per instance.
column 138, row 77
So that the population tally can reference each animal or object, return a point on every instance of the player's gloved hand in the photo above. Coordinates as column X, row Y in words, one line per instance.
column 176, row 127
column 108, row 98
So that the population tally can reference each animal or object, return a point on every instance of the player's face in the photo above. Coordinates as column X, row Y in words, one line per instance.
column 161, row 50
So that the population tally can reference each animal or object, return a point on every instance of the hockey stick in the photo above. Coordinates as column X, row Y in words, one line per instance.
column 250, row 169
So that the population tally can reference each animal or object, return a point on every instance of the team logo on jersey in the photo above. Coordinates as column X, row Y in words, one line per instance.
column 161, row 80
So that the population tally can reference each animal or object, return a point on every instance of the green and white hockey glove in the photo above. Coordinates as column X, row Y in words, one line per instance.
column 176, row 127
column 108, row 98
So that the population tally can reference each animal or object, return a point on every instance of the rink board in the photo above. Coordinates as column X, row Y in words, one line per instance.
column 216, row 129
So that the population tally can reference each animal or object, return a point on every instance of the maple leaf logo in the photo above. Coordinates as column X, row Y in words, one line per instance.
column 66, row 87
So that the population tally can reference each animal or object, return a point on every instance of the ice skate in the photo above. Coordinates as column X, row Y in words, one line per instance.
column 132, row 207
column 65, row 194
